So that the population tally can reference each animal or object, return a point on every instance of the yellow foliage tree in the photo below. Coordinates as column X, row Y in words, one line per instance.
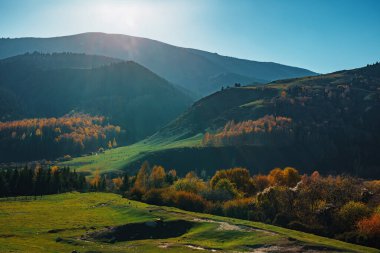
column 276, row 177
column 142, row 177
column 38, row 132
column 287, row 177
column 291, row 176
column 157, row 177
column 54, row 168
column 95, row 182
column 114, row 143
column 238, row 176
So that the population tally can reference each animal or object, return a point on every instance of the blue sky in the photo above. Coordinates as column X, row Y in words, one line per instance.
column 321, row 35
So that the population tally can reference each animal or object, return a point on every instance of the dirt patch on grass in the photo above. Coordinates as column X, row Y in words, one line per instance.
column 141, row 231
column 196, row 247
column 225, row 226
column 291, row 248
column 103, row 204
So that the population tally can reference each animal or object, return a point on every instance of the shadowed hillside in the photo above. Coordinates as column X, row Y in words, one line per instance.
column 335, row 119
column 127, row 94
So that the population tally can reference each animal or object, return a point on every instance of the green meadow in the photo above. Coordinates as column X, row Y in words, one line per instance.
column 116, row 159
column 65, row 222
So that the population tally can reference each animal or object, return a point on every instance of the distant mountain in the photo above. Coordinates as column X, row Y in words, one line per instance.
column 126, row 93
column 198, row 71
column 332, row 125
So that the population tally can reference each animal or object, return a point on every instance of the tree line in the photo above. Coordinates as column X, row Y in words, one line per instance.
column 38, row 181
column 341, row 207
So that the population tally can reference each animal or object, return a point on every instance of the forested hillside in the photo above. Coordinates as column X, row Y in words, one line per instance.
column 37, row 60
column 333, row 119
column 127, row 94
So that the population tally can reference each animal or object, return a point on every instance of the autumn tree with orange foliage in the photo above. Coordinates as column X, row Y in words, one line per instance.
column 370, row 226
column 98, row 182
column 287, row 177
column 260, row 182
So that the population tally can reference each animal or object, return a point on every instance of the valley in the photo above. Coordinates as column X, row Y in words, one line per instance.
column 189, row 126
column 323, row 110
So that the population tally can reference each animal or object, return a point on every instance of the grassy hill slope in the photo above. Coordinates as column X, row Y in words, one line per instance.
column 94, row 222
column 129, row 158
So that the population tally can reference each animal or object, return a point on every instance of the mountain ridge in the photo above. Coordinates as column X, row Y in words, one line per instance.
column 189, row 68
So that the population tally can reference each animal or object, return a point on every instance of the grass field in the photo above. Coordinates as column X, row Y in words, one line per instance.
column 57, row 223
column 116, row 159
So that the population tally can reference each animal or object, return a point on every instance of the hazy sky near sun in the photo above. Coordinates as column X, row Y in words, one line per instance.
column 321, row 35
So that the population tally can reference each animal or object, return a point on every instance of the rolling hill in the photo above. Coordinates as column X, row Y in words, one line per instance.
column 334, row 129
column 127, row 94
column 198, row 71
column 105, row 222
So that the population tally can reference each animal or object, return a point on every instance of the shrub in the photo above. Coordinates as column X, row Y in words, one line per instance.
column 225, row 185
column 257, row 215
column 189, row 201
column 216, row 195
column 352, row 237
column 276, row 177
column 282, row 219
column 351, row 213
column 238, row 176
column 260, row 182
column 275, row 199
column 297, row 225
column 135, row 193
column 215, row 208
column 287, row 177
column 291, row 176
column 154, row 197
column 370, row 226
column 238, row 208
column 191, row 183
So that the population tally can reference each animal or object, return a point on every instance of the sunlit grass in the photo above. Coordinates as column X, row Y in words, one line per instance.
column 25, row 225
column 116, row 159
